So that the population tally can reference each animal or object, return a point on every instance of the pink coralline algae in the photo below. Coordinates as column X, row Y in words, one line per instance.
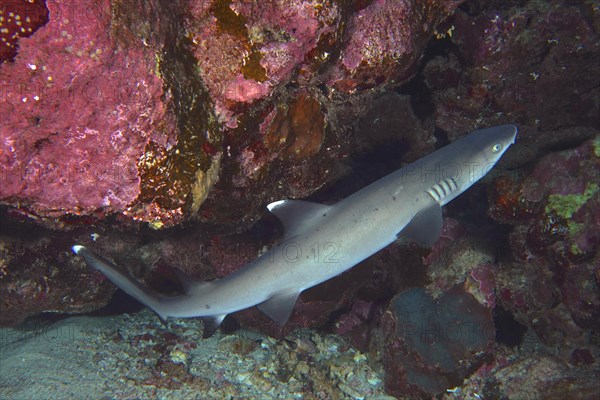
column 245, row 49
column 107, row 109
column 385, row 40
column 77, row 112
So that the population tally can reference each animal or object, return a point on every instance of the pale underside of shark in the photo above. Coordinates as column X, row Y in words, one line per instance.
column 322, row 241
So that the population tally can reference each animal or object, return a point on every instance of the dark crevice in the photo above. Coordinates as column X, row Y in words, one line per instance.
column 508, row 330
column 120, row 303
column 420, row 94
column 364, row 169
column 442, row 138
column 421, row 99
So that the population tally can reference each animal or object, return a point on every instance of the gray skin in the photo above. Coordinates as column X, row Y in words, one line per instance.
column 323, row 241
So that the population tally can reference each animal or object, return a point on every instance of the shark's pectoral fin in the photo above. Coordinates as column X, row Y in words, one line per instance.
column 211, row 324
column 280, row 306
column 426, row 227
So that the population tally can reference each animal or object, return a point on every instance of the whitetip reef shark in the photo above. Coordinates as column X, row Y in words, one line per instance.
column 322, row 241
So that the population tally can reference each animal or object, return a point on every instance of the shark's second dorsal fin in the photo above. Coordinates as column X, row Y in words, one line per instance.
column 426, row 227
column 192, row 286
column 297, row 215
column 186, row 281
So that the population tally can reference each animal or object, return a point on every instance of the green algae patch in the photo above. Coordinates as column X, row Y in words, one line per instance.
column 566, row 205
column 575, row 249
column 596, row 146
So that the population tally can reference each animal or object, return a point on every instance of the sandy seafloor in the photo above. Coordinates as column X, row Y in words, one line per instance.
column 135, row 356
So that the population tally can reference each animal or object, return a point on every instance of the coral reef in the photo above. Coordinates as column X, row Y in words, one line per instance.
column 156, row 132
column 89, row 133
column 86, row 131
column 385, row 41
column 19, row 20
column 511, row 62
column 137, row 357
column 245, row 50
column 531, row 377
column 554, row 211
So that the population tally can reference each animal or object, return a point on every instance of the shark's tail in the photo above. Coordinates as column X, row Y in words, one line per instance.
column 124, row 282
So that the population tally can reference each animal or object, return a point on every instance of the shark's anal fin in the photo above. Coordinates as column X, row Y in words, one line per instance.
column 211, row 324
column 426, row 227
column 280, row 306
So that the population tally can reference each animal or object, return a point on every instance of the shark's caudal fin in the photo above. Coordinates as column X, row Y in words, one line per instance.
column 124, row 282
column 144, row 295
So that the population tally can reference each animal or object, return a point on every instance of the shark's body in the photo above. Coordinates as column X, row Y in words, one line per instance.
column 323, row 241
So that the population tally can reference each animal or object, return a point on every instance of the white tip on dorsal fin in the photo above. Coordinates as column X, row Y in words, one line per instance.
column 297, row 215
column 280, row 306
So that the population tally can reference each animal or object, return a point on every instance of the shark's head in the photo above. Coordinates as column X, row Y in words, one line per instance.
column 486, row 146
column 476, row 154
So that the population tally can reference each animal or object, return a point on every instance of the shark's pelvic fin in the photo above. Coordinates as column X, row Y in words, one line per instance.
column 426, row 227
column 297, row 215
column 280, row 306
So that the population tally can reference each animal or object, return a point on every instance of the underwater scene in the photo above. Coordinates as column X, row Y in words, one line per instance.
column 300, row 199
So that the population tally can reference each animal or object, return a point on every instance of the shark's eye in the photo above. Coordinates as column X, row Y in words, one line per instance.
column 496, row 148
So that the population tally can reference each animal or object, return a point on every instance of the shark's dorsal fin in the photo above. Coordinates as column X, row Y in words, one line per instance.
column 297, row 215
column 426, row 227
column 280, row 306
column 192, row 286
